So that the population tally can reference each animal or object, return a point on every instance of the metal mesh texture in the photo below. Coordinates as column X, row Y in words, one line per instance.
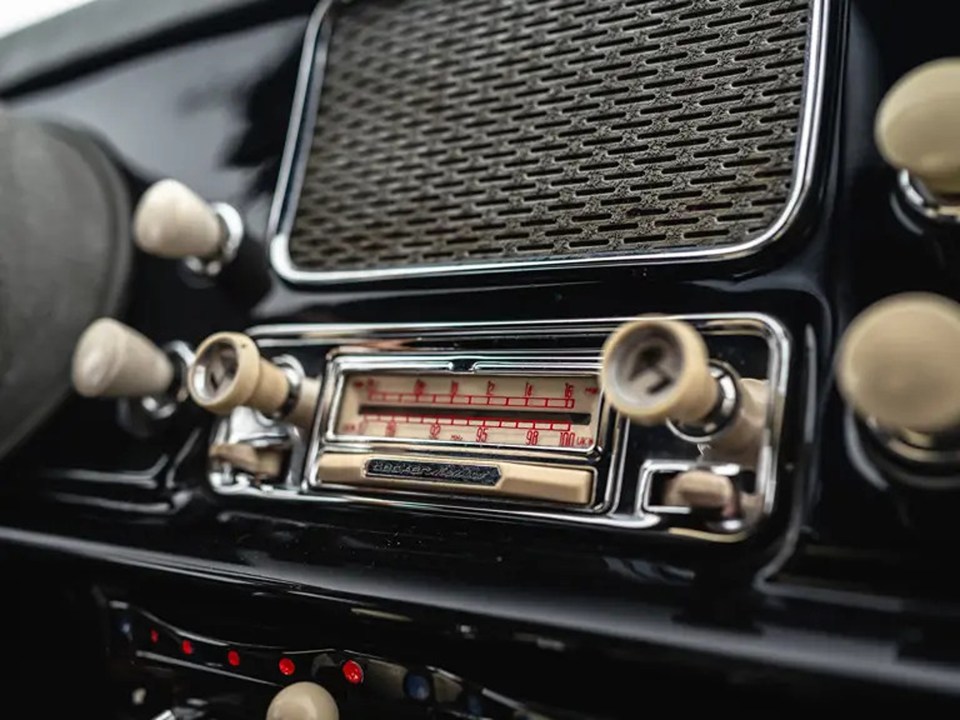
column 456, row 131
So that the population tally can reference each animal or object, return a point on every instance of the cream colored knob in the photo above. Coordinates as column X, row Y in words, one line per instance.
column 261, row 463
column 701, row 490
column 303, row 701
column 656, row 370
column 229, row 372
column 918, row 125
column 172, row 221
column 114, row 360
column 898, row 363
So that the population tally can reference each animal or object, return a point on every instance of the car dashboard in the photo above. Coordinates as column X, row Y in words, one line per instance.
column 528, row 359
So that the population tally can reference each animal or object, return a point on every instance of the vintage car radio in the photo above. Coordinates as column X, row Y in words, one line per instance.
column 666, row 424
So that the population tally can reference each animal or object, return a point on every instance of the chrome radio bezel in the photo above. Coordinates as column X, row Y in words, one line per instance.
column 612, row 509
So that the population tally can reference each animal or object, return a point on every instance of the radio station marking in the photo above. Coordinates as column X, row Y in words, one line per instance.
column 436, row 421
column 534, row 411
column 422, row 398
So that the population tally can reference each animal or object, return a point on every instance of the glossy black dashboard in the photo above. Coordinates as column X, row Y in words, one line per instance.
column 847, row 591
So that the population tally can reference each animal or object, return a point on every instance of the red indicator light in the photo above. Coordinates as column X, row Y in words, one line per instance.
column 352, row 672
column 287, row 666
column 233, row 658
column 186, row 647
column 154, row 636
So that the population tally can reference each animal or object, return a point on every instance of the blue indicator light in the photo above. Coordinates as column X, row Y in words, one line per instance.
column 417, row 687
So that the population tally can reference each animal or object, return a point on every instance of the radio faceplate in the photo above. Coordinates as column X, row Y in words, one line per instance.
column 503, row 420
column 541, row 417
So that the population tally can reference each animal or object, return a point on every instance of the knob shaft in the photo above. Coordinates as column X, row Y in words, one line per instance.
column 898, row 363
column 229, row 372
column 172, row 221
column 918, row 125
column 740, row 442
column 303, row 701
column 114, row 360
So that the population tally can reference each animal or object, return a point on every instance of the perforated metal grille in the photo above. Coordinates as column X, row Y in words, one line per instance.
column 454, row 131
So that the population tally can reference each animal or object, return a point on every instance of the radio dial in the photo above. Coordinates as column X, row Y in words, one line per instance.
column 657, row 370
column 229, row 372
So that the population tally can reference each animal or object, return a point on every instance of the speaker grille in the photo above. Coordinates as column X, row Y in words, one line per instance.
column 457, row 131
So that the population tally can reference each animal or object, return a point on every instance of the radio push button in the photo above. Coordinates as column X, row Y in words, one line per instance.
column 262, row 464
column 658, row 371
column 702, row 490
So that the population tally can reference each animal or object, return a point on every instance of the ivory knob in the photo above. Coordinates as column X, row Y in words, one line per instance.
column 172, row 221
column 701, row 490
column 918, row 125
column 229, row 372
column 303, row 701
column 114, row 360
column 656, row 370
column 898, row 364
column 261, row 463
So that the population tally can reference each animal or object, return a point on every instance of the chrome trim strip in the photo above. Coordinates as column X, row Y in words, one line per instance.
column 926, row 204
column 293, row 162
column 609, row 511
column 300, row 137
